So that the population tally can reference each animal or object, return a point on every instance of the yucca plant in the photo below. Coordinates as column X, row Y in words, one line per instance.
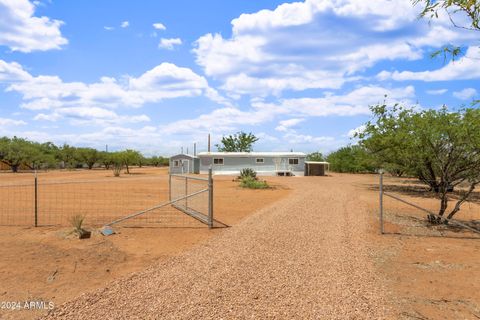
column 77, row 224
column 248, row 173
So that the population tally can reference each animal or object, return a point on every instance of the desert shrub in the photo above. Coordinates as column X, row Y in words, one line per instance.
column 117, row 169
column 248, row 173
column 77, row 224
column 253, row 183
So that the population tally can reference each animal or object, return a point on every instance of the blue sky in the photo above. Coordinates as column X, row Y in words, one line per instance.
column 157, row 76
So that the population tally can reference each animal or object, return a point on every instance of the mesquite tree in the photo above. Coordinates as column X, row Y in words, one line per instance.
column 239, row 142
column 440, row 147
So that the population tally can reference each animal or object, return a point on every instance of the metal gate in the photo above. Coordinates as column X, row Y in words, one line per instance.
column 189, row 194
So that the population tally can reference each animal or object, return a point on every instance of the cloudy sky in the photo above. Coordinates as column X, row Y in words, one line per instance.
column 159, row 75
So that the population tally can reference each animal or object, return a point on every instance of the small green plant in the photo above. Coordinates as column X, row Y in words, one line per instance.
column 77, row 224
column 253, row 183
column 248, row 173
column 117, row 169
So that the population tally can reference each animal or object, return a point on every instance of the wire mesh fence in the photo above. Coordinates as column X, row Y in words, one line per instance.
column 46, row 202
column 404, row 205
column 194, row 194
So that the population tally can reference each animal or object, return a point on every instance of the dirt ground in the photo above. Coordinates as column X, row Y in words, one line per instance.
column 432, row 272
column 48, row 264
column 427, row 272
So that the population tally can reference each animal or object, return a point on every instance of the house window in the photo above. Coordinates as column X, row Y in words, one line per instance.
column 259, row 160
column 293, row 161
column 218, row 161
column 176, row 163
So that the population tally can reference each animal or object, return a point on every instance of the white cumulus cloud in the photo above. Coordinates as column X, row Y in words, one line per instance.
column 125, row 24
column 159, row 26
column 21, row 31
column 169, row 43
column 466, row 68
column 94, row 101
column 465, row 94
column 437, row 92
column 318, row 44
column 11, row 122
column 285, row 125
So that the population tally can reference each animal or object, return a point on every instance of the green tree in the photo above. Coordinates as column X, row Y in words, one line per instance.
column 105, row 158
column 315, row 156
column 129, row 157
column 351, row 159
column 440, row 147
column 68, row 155
column 469, row 9
column 17, row 151
column 141, row 161
column 239, row 142
column 89, row 156
column 46, row 156
column 158, row 161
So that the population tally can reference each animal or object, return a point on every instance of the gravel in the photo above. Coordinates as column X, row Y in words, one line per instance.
column 304, row 257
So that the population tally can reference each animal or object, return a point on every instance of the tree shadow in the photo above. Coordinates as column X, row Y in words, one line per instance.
column 424, row 229
column 421, row 191
column 412, row 235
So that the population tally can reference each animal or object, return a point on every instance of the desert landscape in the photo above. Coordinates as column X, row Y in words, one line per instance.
column 275, row 159
column 284, row 247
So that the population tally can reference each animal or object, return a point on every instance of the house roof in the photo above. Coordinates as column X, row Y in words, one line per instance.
column 183, row 156
column 252, row 154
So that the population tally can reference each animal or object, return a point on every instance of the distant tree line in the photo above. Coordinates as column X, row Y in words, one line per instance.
column 349, row 159
column 18, row 152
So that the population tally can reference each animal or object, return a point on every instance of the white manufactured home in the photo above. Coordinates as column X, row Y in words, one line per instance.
column 264, row 163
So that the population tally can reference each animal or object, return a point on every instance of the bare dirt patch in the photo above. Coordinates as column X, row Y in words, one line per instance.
column 432, row 271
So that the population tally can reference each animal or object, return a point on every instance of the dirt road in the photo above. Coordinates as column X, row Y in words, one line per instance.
column 306, row 256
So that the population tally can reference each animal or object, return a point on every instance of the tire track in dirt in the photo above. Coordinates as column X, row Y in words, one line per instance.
column 304, row 257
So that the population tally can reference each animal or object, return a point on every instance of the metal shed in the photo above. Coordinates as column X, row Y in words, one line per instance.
column 184, row 163
column 264, row 163
column 316, row 168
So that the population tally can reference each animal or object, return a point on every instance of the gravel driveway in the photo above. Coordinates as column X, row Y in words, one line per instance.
column 304, row 257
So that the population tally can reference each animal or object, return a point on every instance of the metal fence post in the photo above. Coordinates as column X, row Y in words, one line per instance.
column 169, row 187
column 210, row 199
column 186, row 192
column 36, row 199
column 381, row 201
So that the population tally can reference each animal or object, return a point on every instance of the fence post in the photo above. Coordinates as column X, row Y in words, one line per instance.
column 186, row 192
column 210, row 199
column 36, row 199
column 169, row 186
column 381, row 201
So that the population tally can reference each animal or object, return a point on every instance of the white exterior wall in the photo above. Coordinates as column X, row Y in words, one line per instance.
column 233, row 163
